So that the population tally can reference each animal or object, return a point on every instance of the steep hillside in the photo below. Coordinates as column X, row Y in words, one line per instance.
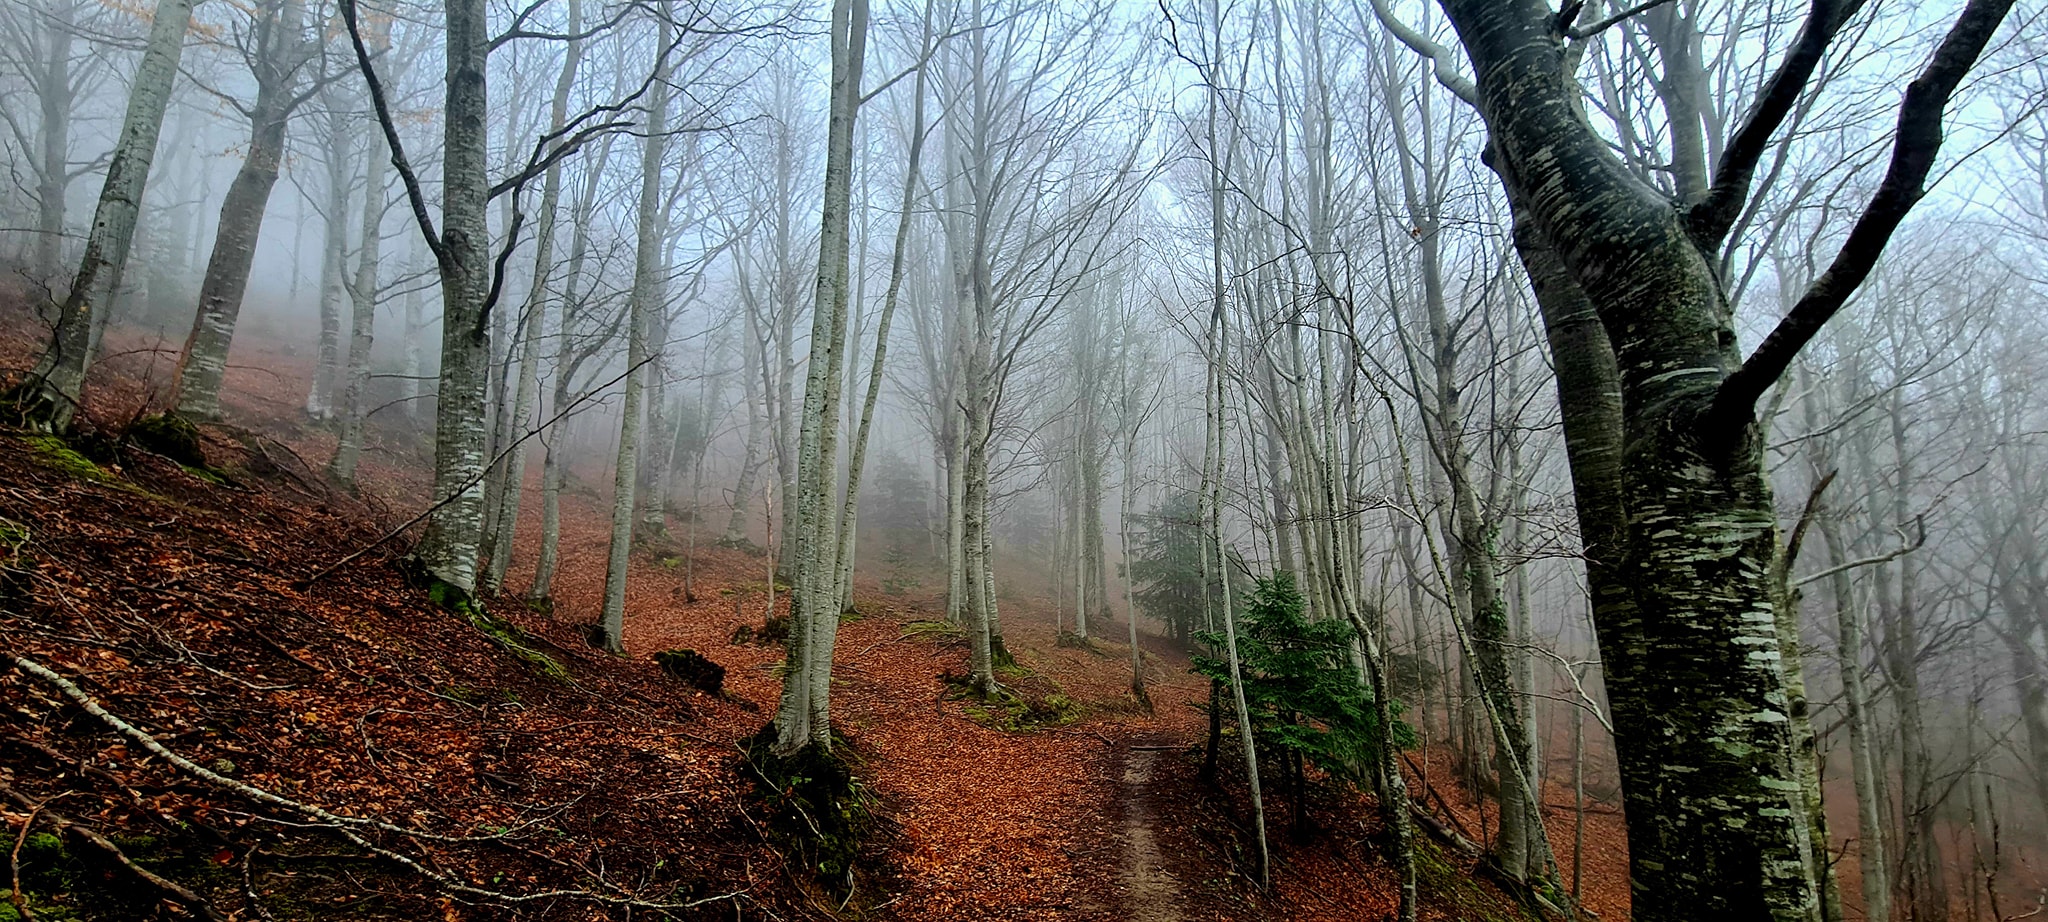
column 206, row 718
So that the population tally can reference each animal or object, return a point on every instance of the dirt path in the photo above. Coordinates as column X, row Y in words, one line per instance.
column 1150, row 889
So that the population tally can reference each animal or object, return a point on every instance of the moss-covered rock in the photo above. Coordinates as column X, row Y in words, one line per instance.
column 170, row 435
column 694, row 668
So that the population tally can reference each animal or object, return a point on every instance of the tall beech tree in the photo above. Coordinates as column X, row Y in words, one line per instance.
column 50, row 398
column 803, row 718
column 278, row 50
column 1675, row 512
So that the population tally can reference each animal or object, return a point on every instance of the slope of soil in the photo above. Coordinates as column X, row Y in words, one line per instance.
column 509, row 761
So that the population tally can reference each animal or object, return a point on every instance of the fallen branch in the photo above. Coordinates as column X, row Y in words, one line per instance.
column 348, row 827
column 148, row 742
column 14, row 864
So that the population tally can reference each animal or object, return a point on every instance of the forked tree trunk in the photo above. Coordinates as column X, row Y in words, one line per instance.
column 804, row 716
column 898, row 260
column 58, row 381
column 1679, row 520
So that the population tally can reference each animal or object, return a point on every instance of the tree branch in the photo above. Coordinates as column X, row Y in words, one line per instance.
column 518, row 29
column 1581, row 33
column 399, row 162
column 453, row 495
column 1710, row 218
column 1437, row 55
column 1914, row 149
column 1919, row 539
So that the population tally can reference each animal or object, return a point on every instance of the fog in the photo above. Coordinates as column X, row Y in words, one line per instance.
column 1250, row 277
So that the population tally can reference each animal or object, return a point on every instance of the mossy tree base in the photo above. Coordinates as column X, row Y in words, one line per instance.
column 818, row 811
column 30, row 406
column 453, row 598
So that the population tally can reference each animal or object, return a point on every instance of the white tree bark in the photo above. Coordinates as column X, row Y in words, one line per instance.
column 647, row 290
column 528, row 388
column 857, row 463
column 448, row 550
column 804, row 717
column 59, row 376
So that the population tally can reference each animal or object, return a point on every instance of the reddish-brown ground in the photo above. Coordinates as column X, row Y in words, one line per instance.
column 185, row 607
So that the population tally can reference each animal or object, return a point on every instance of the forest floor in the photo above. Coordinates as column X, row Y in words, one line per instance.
column 466, row 768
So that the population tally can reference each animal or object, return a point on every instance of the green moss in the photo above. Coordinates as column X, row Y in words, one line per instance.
column 1441, row 883
column 170, row 435
column 1076, row 641
column 52, row 452
column 818, row 810
column 471, row 695
column 938, row 629
column 1009, row 710
column 504, row 633
column 205, row 473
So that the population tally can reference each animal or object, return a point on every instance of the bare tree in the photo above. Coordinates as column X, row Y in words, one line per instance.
column 1673, row 504
column 52, row 394
column 277, row 50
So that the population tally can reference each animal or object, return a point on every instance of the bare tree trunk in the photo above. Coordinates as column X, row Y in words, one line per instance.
column 647, row 284
column 857, row 463
column 536, row 311
column 1926, row 884
column 58, row 381
column 415, row 364
column 1213, row 461
column 1874, row 866
column 448, row 550
column 334, row 244
column 1129, row 488
column 804, row 717
column 1684, row 600
column 53, row 174
column 752, row 362
column 204, row 361
column 363, row 297
column 971, row 558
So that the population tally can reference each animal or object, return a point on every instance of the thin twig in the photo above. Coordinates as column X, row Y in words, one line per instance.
column 472, row 481
column 14, row 861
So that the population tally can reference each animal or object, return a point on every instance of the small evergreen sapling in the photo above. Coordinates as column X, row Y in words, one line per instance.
column 1307, row 701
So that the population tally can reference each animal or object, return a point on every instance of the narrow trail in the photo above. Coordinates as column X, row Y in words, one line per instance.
column 1150, row 888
